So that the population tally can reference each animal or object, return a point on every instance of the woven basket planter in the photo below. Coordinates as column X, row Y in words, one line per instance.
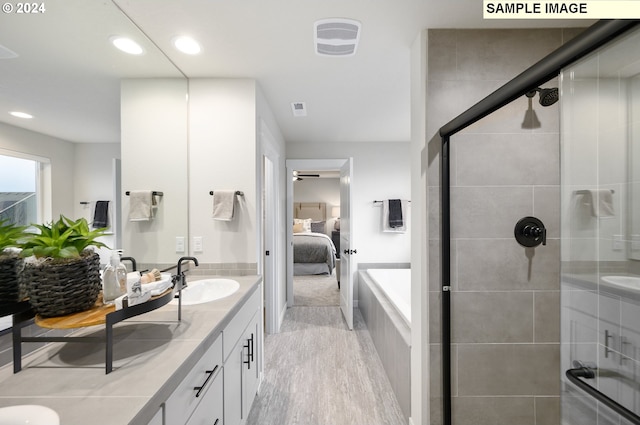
column 63, row 286
column 10, row 289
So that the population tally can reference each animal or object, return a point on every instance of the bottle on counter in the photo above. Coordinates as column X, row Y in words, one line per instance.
column 114, row 279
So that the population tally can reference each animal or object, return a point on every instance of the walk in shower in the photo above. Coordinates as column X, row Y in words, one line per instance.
column 532, row 225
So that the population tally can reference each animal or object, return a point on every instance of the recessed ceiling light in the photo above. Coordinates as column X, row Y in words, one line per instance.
column 19, row 114
column 127, row 45
column 187, row 45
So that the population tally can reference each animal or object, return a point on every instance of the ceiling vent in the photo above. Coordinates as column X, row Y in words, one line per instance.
column 299, row 109
column 7, row 53
column 336, row 37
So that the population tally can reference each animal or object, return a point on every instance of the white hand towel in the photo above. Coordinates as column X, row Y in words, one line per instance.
column 140, row 203
column 601, row 203
column 223, row 204
column 385, row 218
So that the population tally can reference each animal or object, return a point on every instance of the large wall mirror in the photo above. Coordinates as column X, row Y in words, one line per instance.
column 61, row 66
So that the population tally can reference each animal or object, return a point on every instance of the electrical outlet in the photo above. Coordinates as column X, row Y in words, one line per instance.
column 179, row 243
column 197, row 244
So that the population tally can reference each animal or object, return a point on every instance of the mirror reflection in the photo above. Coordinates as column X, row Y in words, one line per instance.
column 60, row 113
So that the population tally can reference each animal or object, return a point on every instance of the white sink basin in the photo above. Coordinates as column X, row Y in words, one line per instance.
column 624, row 282
column 32, row 414
column 206, row 290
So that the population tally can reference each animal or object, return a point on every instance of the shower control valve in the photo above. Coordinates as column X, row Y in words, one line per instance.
column 530, row 232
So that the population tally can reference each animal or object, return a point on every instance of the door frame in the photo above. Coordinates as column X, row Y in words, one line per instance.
column 269, row 229
column 301, row 164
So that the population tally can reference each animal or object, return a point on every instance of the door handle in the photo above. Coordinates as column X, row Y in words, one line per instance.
column 248, row 361
column 252, row 348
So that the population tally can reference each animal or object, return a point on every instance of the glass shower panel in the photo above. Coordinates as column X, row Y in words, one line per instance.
column 600, row 256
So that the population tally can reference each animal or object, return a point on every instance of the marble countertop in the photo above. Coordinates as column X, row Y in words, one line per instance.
column 152, row 353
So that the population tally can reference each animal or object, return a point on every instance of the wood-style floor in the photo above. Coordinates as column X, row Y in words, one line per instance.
column 317, row 372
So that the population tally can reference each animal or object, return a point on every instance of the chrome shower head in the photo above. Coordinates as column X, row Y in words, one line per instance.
column 547, row 96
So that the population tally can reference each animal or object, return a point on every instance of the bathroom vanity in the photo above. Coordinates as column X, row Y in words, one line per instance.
column 205, row 367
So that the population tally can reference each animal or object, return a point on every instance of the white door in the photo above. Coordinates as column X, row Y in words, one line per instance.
column 270, row 253
column 346, row 244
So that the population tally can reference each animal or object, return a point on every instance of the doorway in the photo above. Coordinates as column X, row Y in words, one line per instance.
column 316, row 197
column 345, row 276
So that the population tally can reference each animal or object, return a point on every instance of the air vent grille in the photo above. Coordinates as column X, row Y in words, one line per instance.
column 299, row 109
column 337, row 37
column 337, row 30
column 331, row 50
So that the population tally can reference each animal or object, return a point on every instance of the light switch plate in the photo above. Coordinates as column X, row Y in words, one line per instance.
column 179, row 243
column 197, row 244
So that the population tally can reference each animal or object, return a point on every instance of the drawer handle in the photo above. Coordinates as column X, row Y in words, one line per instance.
column 216, row 422
column 204, row 384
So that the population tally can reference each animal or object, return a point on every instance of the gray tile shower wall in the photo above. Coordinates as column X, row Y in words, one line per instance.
column 505, row 298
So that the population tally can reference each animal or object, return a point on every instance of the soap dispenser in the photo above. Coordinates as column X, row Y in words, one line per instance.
column 114, row 279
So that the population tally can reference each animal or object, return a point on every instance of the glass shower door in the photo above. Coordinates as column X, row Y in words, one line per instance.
column 600, row 231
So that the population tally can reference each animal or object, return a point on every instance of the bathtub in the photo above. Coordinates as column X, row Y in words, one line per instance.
column 385, row 304
column 396, row 286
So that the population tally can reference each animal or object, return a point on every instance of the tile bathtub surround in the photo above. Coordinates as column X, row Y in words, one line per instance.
column 505, row 298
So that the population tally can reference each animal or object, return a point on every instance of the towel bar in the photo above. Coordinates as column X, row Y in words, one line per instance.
column 584, row 192
column 154, row 193
column 238, row 193
column 379, row 202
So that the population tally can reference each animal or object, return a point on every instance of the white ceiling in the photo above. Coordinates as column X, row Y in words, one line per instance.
column 67, row 73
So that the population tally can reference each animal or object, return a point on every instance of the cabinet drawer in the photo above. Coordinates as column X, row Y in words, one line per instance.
column 191, row 390
column 240, row 321
column 209, row 411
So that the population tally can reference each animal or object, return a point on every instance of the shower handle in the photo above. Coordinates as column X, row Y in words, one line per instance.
column 530, row 232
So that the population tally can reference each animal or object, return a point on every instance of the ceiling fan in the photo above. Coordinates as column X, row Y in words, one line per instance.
column 297, row 176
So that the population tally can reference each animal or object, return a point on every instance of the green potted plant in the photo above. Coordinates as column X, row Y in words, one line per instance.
column 61, row 270
column 10, row 262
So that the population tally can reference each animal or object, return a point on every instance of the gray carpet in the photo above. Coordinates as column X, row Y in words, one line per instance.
column 316, row 290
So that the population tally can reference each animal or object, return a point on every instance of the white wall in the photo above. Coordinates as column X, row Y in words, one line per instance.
column 61, row 155
column 380, row 171
column 222, row 152
column 154, row 157
column 419, row 239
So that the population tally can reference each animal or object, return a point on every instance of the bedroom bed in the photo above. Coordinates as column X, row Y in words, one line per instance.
column 313, row 250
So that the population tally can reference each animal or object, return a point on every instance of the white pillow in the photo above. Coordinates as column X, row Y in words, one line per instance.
column 306, row 224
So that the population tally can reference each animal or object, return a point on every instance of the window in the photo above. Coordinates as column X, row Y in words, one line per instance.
column 19, row 190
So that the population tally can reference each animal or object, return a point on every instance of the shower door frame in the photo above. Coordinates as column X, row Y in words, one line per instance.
column 547, row 68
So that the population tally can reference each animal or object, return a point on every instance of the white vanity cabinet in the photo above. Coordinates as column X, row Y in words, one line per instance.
column 210, row 409
column 199, row 384
column 242, row 339
column 221, row 387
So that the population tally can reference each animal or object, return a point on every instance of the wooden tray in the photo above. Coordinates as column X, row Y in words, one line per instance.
column 95, row 316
